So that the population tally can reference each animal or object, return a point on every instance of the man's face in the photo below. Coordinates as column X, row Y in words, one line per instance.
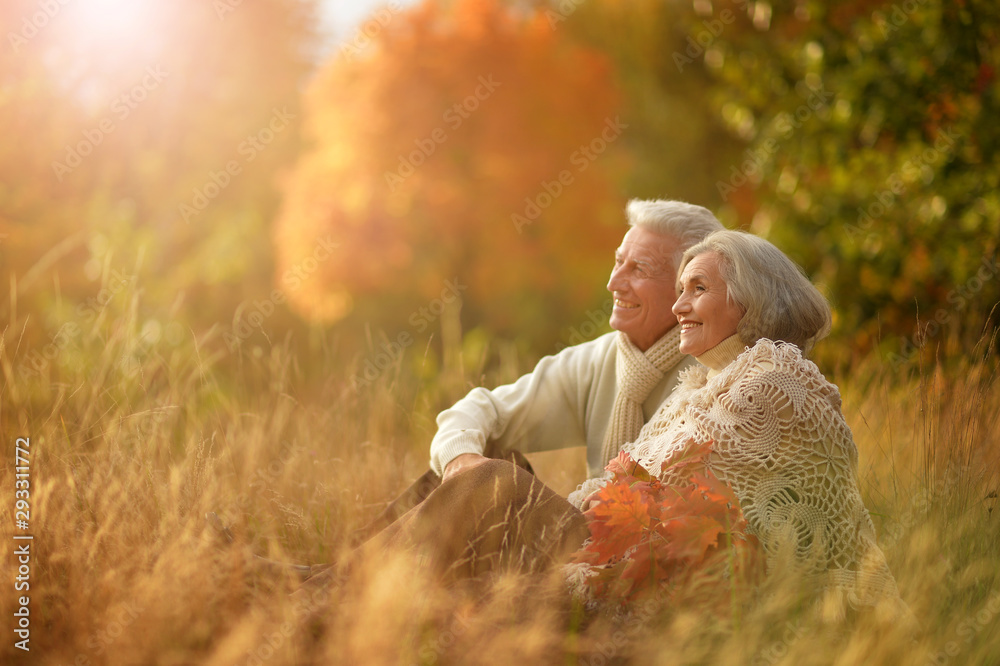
column 643, row 286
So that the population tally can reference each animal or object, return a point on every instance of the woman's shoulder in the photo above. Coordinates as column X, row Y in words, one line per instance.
column 770, row 355
column 783, row 363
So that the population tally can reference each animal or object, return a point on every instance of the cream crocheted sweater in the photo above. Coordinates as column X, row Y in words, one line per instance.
column 781, row 442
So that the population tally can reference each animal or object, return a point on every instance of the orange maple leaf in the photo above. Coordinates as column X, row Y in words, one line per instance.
column 646, row 535
column 617, row 521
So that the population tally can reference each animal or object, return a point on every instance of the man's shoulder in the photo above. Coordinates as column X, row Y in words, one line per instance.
column 600, row 346
column 591, row 355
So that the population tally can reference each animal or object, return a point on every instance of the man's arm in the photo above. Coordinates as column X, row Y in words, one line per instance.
column 461, row 463
column 544, row 409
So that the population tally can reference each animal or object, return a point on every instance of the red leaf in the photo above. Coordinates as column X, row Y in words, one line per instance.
column 617, row 521
column 691, row 536
column 623, row 467
column 683, row 459
column 646, row 536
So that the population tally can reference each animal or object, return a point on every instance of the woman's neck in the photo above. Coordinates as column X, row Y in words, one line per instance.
column 721, row 355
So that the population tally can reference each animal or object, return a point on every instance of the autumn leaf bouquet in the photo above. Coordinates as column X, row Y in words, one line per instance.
column 685, row 538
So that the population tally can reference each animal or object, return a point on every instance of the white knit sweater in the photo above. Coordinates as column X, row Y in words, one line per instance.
column 781, row 442
column 566, row 401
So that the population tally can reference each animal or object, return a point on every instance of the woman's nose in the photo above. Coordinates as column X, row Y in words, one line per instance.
column 681, row 305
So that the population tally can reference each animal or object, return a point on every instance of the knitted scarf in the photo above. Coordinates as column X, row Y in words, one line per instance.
column 637, row 374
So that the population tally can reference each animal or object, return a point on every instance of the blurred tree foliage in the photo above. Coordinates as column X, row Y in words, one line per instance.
column 676, row 142
column 484, row 149
column 855, row 136
column 466, row 145
column 114, row 123
column 872, row 154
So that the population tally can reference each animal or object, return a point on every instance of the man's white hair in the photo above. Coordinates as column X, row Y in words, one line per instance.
column 687, row 223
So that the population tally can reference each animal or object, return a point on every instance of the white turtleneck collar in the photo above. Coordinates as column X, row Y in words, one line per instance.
column 721, row 355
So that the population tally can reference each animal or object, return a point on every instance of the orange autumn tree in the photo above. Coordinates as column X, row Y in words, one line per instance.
column 467, row 147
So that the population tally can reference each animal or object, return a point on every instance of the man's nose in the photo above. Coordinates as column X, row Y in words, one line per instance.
column 617, row 281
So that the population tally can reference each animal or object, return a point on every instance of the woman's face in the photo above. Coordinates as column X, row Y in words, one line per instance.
column 704, row 313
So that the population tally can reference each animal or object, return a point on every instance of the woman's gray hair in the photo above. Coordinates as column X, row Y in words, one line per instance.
column 685, row 222
column 780, row 302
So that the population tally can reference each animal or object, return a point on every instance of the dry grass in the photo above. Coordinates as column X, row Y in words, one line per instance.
column 126, row 460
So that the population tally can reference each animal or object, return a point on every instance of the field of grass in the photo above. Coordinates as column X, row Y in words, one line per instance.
column 126, row 458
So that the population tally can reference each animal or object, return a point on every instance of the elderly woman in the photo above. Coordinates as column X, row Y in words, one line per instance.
column 747, row 314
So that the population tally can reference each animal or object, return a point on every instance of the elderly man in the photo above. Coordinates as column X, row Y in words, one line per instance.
column 597, row 394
